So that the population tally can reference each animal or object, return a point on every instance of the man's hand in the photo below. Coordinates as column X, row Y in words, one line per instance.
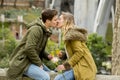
column 60, row 68
column 41, row 67
column 50, row 56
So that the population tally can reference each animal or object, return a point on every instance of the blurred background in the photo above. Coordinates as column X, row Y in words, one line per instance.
column 97, row 16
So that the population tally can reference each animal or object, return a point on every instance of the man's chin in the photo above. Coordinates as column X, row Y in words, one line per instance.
column 59, row 27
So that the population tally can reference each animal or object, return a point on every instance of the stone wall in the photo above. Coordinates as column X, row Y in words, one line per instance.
column 98, row 77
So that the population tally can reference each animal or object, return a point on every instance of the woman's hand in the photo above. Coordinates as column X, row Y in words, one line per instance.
column 59, row 55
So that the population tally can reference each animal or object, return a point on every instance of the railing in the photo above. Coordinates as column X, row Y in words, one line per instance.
column 25, row 3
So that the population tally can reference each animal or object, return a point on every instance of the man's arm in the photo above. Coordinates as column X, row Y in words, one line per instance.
column 33, row 38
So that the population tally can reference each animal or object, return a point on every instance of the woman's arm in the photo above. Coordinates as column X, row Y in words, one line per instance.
column 78, row 53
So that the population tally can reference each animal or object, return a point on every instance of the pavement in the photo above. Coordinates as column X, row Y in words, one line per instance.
column 3, row 72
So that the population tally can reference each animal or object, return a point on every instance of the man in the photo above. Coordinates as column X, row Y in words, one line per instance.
column 27, row 57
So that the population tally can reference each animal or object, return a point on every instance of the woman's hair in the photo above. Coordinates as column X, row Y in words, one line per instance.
column 68, row 20
column 48, row 14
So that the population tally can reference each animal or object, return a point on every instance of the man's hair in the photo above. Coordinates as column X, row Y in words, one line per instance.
column 48, row 14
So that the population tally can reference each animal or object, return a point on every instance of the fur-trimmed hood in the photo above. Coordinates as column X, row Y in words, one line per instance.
column 76, row 34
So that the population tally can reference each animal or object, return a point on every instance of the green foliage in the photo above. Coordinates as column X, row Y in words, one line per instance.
column 109, row 37
column 32, row 14
column 50, row 64
column 28, row 14
column 7, row 46
column 53, row 49
column 4, row 30
column 4, row 62
column 51, row 46
column 98, row 49
column 10, row 44
column 61, row 45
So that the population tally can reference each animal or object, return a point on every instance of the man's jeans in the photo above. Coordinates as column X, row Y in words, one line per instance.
column 36, row 73
column 67, row 75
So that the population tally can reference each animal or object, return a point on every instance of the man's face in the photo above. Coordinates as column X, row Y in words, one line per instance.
column 54, row 21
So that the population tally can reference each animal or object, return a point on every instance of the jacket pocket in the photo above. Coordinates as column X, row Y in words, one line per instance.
column 21, row 57
column 83, row 62
column 19, row 60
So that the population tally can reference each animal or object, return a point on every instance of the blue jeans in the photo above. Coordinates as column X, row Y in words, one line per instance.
column 67, row 75
column 36, row 73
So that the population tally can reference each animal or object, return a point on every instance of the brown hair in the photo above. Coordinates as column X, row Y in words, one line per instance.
column 48, row 14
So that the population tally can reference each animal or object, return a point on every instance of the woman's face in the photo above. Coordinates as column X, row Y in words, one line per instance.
column 60, row 21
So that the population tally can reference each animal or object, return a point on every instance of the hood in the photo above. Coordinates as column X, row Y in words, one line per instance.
column 40, row 23
column 76, row 34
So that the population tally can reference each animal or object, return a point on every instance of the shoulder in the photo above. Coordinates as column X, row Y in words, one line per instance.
column 35, row 30
column 35, row 27
column 76, row 34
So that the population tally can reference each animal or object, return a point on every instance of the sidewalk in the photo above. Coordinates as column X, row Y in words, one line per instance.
column 3, row 72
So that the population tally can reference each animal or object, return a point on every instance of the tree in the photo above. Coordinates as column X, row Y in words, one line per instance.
column 31, row 3
column 116, row 42
column 15, row 3
column 93, row 15
column 84, row 13
column 2, row 1
column 102, row 17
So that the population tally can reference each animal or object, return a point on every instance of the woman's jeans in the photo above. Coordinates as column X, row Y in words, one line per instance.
column 36, row 73
column 67, row 75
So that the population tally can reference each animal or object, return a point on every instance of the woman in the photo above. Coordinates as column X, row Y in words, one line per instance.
column 80, row 64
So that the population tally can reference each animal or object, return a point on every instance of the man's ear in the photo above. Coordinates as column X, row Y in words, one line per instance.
column 48, row 21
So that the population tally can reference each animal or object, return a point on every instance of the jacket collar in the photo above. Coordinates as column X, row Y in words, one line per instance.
column 42, row 25
column 76, row 34
column 47, row 31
